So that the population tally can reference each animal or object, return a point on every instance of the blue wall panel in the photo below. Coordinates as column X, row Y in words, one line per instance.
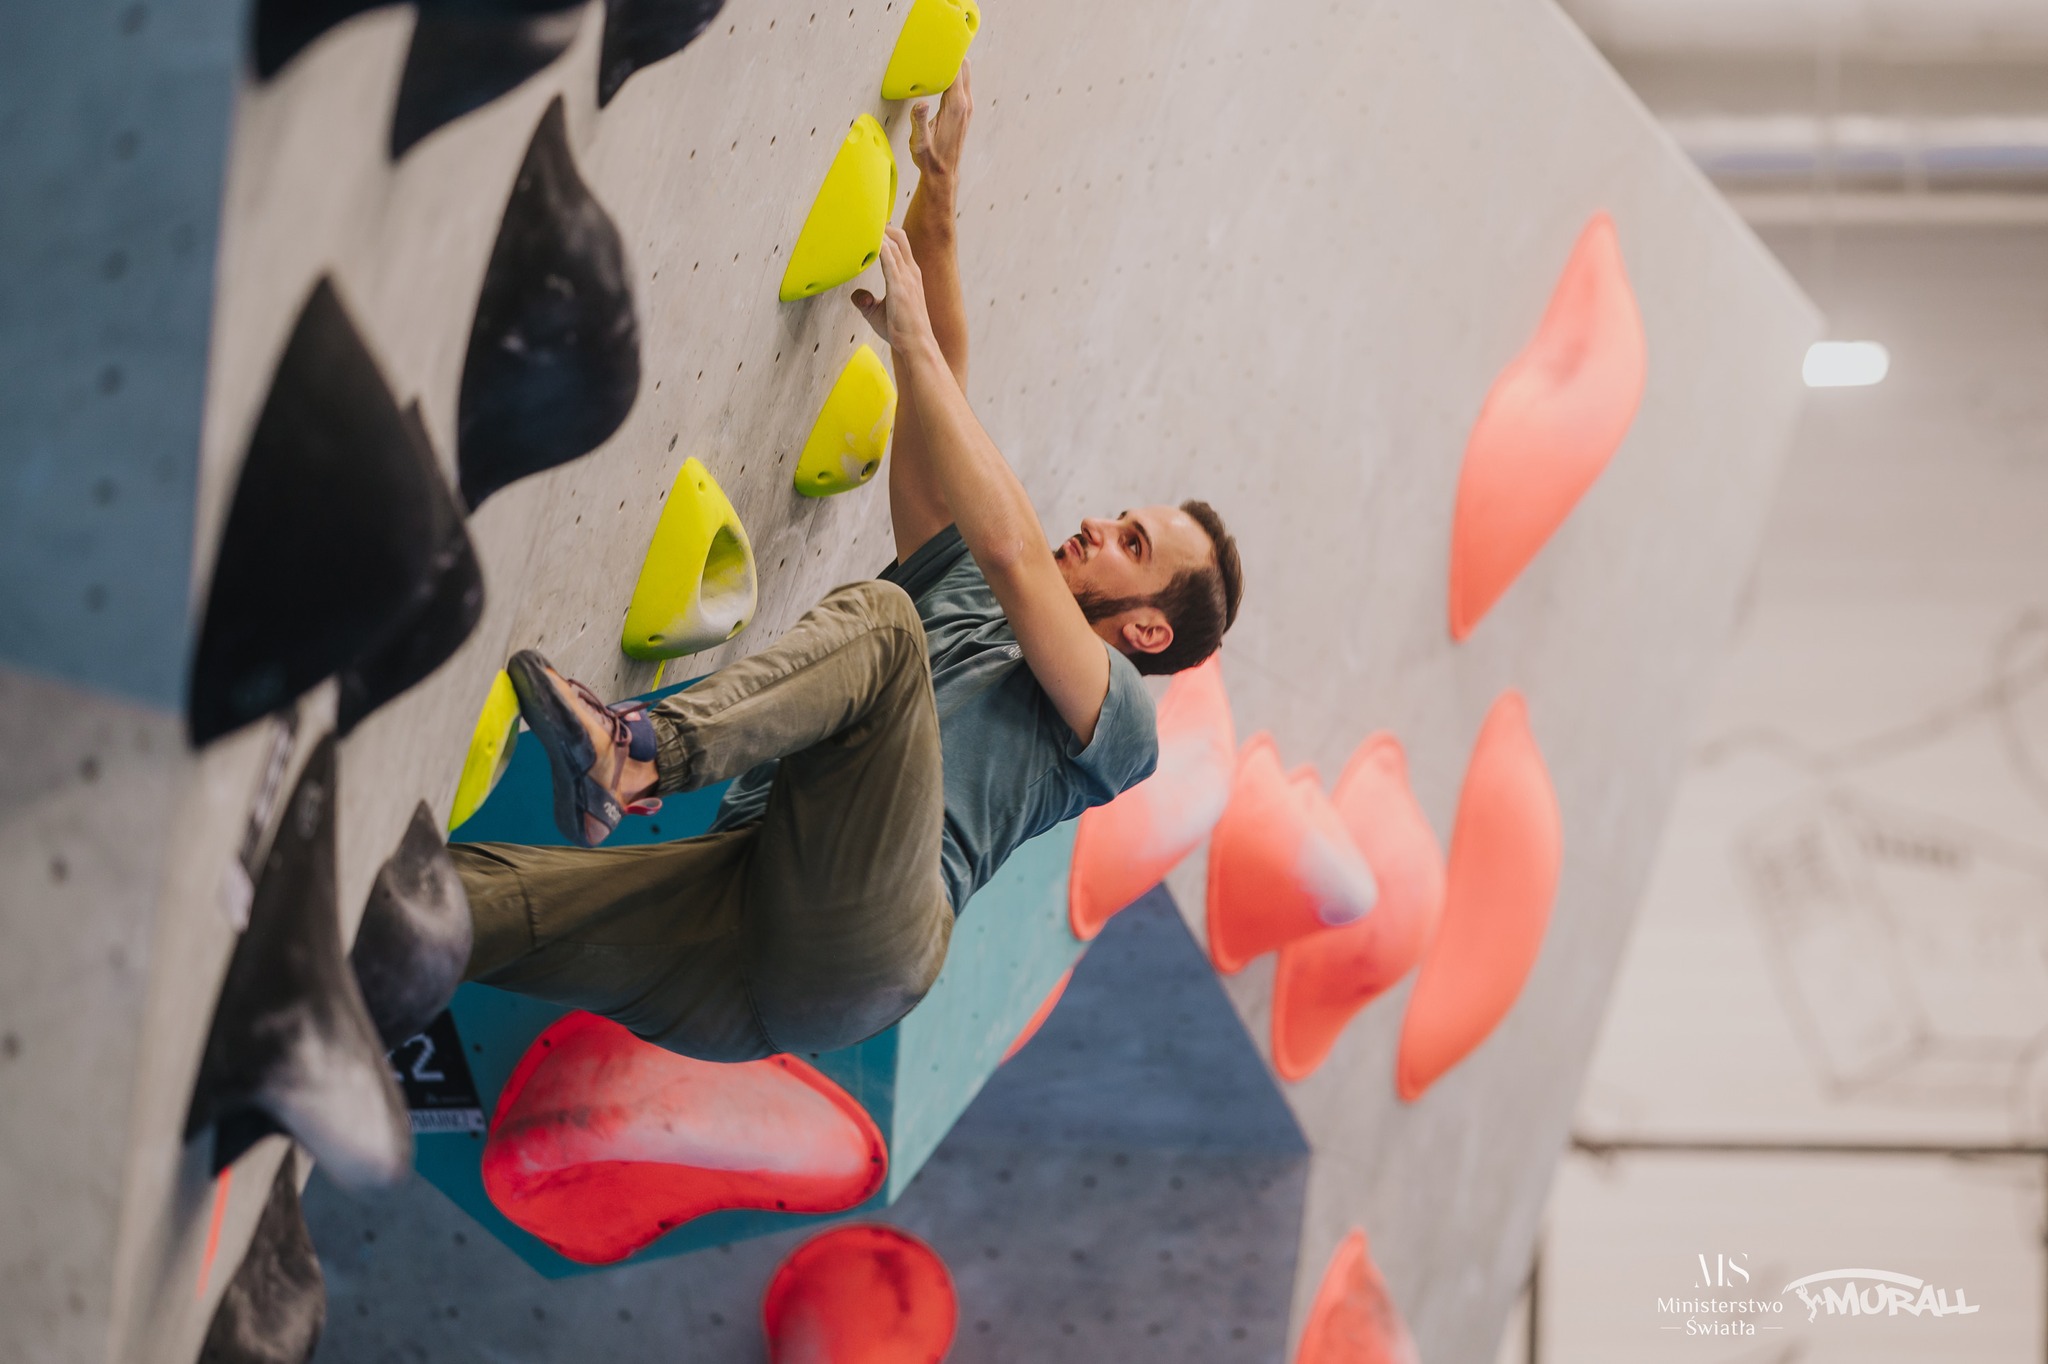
column 113, row 146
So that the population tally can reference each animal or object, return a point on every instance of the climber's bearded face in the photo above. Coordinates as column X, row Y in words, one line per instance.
column 1117, row 567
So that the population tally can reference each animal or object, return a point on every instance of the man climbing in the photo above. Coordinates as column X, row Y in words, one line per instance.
column 890, row 751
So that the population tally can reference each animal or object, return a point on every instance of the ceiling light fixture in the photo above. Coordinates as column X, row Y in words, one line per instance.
column 1846, row 364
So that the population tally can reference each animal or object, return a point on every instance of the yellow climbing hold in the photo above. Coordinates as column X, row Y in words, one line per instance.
column 697, row 587
column 852, row 431
column 843, row 234
column 490, row 751
column 929, row 51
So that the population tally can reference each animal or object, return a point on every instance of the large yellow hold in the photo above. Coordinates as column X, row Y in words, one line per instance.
column 490, row 751
column 934, row 41
column 843, row 234
column 852, row 431
column 698, row 586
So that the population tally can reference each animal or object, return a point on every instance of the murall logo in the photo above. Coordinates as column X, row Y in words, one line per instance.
column 1887, row 1295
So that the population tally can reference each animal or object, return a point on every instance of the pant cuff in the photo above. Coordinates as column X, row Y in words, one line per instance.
column 673, row 761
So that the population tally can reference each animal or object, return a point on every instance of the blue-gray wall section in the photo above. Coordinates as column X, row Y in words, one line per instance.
column 114, row 119
column 1144, row 1050
column 1130, row 1187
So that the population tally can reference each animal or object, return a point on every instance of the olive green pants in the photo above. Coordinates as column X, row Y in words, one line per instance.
column 813, row 929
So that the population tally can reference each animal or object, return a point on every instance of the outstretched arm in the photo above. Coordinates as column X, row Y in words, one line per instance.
column 995, row 516
column 917, row 506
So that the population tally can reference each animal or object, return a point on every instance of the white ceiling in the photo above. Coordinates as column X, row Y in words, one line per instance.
column 1954, row 29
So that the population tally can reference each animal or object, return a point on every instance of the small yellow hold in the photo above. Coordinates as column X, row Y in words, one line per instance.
column 843, row 234
column 934, row 41
column 697, row 587
column 852, row 431
column 490, row 751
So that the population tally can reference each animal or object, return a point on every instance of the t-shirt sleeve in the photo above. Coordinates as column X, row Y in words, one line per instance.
column 930, row 562
column 1125, row 748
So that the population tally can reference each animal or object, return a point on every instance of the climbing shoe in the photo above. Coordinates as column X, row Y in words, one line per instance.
column 588, row 744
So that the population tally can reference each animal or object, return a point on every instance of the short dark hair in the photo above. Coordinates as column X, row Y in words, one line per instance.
column 1199, row 603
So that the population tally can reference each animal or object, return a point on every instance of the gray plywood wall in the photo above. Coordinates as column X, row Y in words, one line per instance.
column 1268, row 255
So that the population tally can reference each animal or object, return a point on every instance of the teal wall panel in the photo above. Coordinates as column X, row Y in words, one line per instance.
column 1009, row 948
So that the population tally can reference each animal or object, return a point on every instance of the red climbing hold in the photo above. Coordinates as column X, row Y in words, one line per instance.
column 1551, row 422
column 223, row 1183
column 1126, row 847
column 602, row 1142
column 861, row 1294
column 1507, row 849
column 1324, row 979
column 1353, row 1319
column 1037, row 1020
column 1281, row 865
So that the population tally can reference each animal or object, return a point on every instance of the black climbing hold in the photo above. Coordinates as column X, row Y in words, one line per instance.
column 337, row 555
column 640, row 33
column 280, row 29
column 273, row 1309
column 554, row 353
column 466, row 53
column 446, row 602
column 291, row 1047
column 414, row 940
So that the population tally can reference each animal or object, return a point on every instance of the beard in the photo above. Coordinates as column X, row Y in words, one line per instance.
column 1098, row 608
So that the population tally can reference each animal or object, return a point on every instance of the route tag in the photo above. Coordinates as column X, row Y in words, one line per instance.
column 439, row 1091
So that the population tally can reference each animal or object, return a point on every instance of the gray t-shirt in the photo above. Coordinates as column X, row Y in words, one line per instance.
column 1013, row 767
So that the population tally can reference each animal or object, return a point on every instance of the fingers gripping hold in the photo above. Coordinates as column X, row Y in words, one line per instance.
column 921, row 136
column 936, row 144
column 901, row 318
column 874, row 311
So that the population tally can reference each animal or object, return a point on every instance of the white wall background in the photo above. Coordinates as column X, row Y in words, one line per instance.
column 1953, row 29
column 1828, row 1044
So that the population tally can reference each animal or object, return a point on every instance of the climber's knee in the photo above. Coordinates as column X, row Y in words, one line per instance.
column 822, row 1000
column 882, row 606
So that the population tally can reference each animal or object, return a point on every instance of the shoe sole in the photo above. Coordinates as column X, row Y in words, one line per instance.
column 562, row 737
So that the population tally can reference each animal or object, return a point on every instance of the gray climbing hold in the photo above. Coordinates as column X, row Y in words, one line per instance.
column 414, row 940
column 274, row 1308
column 291, row 1047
